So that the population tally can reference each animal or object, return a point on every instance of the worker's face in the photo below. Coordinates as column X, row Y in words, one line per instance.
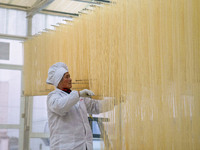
column 66, row 81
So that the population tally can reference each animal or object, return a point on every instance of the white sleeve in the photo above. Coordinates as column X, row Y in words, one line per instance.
column 60, row 105
column 106, row 104
column 98, row 106
column 92, row 106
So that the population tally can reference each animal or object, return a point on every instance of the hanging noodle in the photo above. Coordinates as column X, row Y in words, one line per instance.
column 145, row 52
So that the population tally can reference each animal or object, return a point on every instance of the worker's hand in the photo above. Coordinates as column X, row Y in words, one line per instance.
column 86, row 93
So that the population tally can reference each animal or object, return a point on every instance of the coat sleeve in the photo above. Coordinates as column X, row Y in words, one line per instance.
column 98, row 106
column 61, row 105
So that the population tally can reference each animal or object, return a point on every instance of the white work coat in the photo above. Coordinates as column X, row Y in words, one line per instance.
column 68, row 120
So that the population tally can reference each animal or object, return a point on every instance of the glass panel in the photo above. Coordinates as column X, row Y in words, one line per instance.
column 9, row 139
column 39, row 121
column 38, row 23
column 41, row 22
column 39, row 144
column 98, row 144
column 10, row 88
column 53, row 20
column 15, row 54
column 95, row 128
column 3, row 18
column 13, row 22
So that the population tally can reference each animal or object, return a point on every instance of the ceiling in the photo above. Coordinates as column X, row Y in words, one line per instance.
column 66, row 7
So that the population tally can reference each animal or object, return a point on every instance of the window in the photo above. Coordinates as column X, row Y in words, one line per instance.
column 39, row 120
column 9, row 139
column 15, row 52
column 42, row 22
column 13, row 22
column 10, row 89
column 4, row 50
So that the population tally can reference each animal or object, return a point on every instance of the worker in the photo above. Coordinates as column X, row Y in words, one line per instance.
column 68, row 112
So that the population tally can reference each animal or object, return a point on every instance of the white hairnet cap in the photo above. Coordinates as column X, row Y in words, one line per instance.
column 56, row 72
